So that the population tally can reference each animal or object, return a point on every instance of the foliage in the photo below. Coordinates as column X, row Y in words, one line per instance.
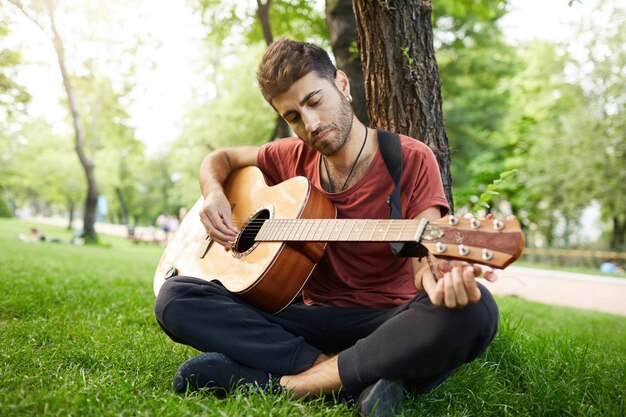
column 474, row 64
column 66, row 348
column 492, row 190
column 41, row 169
column 236, row 22
column 237, row 115
column 13, row 96
column 5, row 210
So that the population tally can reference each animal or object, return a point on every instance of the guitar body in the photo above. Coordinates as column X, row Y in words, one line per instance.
column 268, row 275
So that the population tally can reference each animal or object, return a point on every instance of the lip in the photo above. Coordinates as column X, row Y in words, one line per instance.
column 321, row 136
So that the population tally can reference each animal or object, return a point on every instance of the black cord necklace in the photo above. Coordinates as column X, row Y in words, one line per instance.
column 351, row 169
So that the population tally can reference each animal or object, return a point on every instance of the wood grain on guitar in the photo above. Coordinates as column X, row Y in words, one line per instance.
column 284, row 230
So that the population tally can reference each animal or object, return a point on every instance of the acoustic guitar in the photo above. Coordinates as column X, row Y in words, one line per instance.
column 284, row 229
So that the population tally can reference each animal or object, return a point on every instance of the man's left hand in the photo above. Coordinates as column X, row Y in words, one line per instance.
column 454, row 285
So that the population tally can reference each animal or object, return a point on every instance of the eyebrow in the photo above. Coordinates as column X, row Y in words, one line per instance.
column 303, row 101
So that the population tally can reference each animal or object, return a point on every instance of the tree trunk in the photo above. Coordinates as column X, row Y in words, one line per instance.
column 618, row 238
column 402, row 85
column 342, row 32
column 89, row 217
column 71, row 206
column 123, row 206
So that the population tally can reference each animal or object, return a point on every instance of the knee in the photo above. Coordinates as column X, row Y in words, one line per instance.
column 173, row 291
column 482, row 318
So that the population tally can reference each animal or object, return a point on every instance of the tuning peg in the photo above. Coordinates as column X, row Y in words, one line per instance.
column 498, row 224
column 463, row 250
column 440, row 247
column 453, row 220
column 474, row 223
column 487, row 255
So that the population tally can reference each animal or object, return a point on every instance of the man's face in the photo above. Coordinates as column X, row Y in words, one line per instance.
column 318, row 112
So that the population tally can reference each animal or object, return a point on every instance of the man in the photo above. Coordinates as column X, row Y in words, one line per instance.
column 369, row 322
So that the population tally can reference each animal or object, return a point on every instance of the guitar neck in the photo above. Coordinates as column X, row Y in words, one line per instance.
column 341, row 230
column 495, row 243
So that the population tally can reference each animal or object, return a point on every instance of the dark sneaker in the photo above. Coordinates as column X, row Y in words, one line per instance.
column 221, row 374
column 381, row 399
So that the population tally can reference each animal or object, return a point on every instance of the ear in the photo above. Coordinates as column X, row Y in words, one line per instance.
column 342, row 82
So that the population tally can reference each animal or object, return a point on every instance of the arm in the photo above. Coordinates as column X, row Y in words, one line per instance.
column 214, row 169
column 452, row 284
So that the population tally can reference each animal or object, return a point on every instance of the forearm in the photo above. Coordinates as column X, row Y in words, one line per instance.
column 218, row 165
column 214, row 170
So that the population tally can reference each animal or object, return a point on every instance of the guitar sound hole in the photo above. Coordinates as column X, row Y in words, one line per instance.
column 246, row 240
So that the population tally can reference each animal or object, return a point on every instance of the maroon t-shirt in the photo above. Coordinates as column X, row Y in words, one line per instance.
column 361, row 274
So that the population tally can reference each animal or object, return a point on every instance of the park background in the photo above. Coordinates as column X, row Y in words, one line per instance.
column 160, row 84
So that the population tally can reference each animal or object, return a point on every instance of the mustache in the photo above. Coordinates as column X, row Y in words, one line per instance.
column 319, row 131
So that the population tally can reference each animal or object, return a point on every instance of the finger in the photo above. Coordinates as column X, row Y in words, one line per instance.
column 444, row 267
column 448, row 290
column 227, row 220
column 224, row 237
column 471, row 287
column 430, row 285
column 478, row 270
column 459, row 286
column 490, row 275
column 436, row 295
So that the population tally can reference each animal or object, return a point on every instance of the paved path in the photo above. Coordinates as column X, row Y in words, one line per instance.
column 590, row 292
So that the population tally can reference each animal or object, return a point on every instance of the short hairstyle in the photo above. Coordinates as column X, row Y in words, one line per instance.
column 286, row 61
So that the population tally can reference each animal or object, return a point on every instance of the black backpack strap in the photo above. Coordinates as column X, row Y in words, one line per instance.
column 391, row 151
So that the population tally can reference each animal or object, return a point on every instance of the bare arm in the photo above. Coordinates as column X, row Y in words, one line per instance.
column 214, row 169
column 452, row 284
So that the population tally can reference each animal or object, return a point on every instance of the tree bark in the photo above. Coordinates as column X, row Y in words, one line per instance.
column 402, row 85
column 619, row 234
column 342, row 32
column 89, row 216
column 71, row 206
column 281, row 128
column 123, row 207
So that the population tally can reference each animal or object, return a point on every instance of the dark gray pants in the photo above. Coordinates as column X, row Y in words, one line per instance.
column 416, row 341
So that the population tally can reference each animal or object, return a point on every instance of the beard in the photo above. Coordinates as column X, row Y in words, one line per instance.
column 340, row 129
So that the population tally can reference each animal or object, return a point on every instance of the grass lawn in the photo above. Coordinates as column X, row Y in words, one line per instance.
column 78, row 338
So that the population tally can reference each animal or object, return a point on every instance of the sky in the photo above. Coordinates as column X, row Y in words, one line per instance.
column 167, row 89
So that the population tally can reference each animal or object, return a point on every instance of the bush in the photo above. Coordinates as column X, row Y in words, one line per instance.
column 5, row 210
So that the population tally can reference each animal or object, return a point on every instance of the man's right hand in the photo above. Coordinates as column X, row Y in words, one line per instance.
column 216, row 215
column 217, row 219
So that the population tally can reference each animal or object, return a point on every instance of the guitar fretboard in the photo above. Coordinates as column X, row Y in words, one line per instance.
column 341, row 230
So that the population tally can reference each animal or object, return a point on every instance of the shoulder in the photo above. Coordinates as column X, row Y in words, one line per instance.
column 283, row 144
column 414, row 146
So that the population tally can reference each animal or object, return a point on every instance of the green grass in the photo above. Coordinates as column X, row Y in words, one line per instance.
column 78, row 338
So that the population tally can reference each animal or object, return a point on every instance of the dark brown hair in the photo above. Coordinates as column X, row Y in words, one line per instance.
column 286, row 61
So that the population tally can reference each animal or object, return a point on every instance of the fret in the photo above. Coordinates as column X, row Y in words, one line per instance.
column 319, row 232
column 283, row 230
column 374, row 229
column 401, row 235
column 356, row 226
column 387, row 231
column 336, row 230
column 295, row 230
column 309, row 224
column 362, row 229
column 345, row 230
column 313, row 225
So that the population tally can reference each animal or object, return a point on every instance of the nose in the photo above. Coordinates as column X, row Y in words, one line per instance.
column 311, row 120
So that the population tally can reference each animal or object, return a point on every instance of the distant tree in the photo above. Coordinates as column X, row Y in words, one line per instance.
column 44, row 18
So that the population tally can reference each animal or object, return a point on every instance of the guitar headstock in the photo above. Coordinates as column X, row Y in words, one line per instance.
column 492, row 242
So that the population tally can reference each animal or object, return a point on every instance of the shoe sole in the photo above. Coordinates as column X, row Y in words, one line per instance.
column 383, row 400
